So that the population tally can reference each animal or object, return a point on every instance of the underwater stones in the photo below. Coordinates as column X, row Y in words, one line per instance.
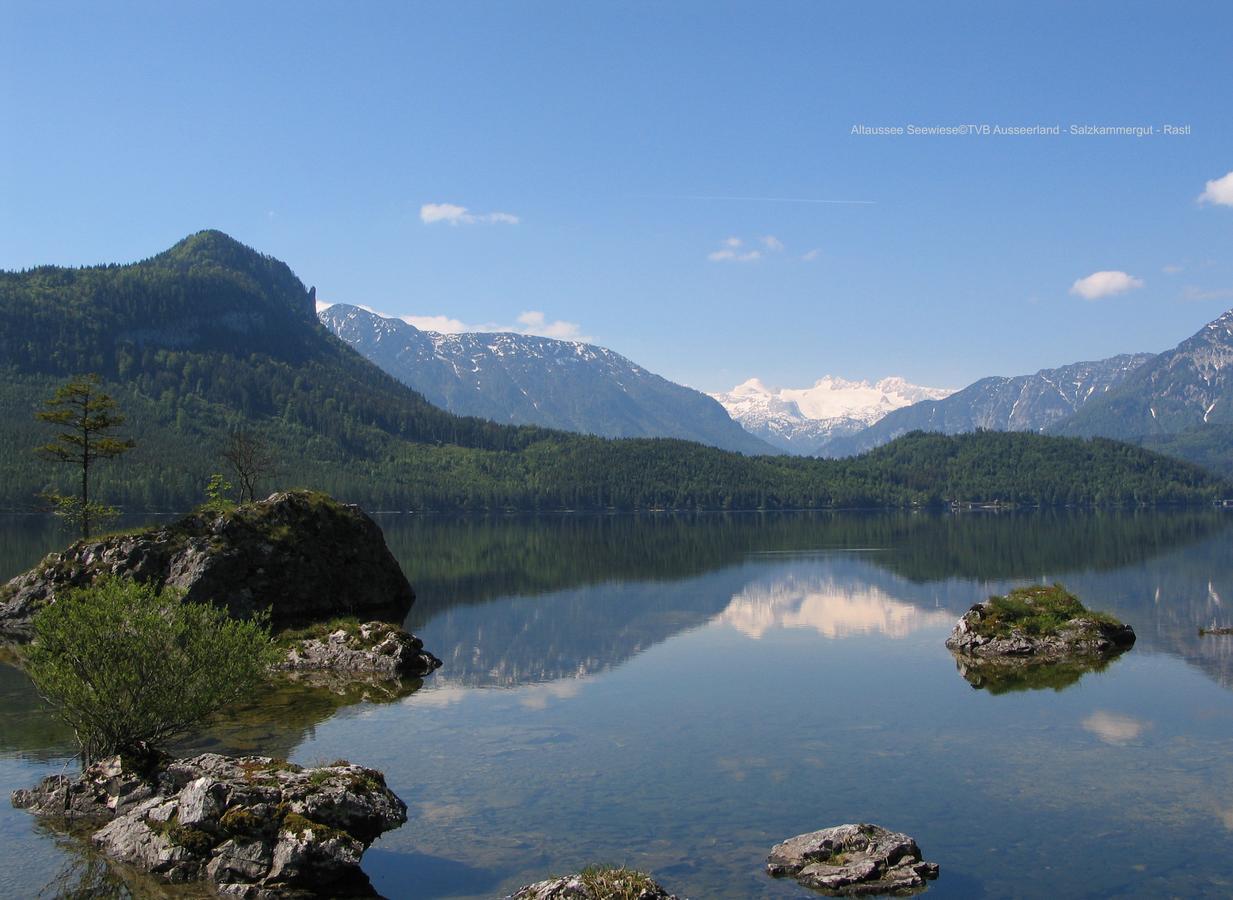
column 852, row 860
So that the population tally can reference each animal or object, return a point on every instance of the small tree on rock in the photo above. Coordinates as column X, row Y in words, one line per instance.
column 87, row 415
column 251, row 458
column 130, row 667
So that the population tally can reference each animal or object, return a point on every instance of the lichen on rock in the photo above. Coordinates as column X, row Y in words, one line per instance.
column 300, row 554
column 252, row 826
column 852, row 860
column 376, row 648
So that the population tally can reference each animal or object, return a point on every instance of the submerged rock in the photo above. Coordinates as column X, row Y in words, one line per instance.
column 375, row 648
column 851, row 860
column 252, row 826
column 602, row 883
column 1040, row 622
column 300, row 554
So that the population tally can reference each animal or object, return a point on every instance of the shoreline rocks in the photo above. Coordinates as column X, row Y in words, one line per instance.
column 601, row 883
column 852, row 860
column 376, row 648
column 252, row 826
column 301, row 554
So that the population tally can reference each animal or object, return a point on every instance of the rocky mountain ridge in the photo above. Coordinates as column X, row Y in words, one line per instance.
column 525, row 379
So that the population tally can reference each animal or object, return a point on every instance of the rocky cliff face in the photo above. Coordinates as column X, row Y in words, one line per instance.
column 300, row 554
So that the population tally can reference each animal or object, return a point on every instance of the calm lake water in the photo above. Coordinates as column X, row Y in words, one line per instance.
column 680, row 693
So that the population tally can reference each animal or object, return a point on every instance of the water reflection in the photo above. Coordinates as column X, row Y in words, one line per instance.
column 830, row 607
column 1009, row 676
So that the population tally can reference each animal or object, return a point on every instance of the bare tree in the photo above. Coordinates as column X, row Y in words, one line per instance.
column 252, row 459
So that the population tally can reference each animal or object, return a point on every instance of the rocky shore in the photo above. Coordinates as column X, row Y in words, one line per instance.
column 252, row 826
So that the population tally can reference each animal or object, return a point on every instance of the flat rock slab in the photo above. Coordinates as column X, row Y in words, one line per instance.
column 852, row 860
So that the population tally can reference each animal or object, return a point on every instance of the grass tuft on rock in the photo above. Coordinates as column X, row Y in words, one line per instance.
column 1038, row 610
column 616, row 882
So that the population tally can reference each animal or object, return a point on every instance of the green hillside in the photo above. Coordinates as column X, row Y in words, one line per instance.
column 211, row 335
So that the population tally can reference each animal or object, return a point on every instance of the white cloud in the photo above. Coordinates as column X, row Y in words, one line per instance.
column 454, row 214
column 322, row 305
column 772, row 243
column 441, row 324
column 534, row 322
column 1218, row 191
column 812, row 255
column 1105, row 284
column 1171, row 269
column 528, row 322
column 730, row 251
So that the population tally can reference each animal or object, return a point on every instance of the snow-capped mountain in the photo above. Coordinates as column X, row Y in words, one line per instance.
column 1019, row 403
column 806, row 420
column 529, row 380
column 1183, row 388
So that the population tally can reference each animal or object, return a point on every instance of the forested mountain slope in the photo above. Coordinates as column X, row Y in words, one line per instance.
column 212, row 335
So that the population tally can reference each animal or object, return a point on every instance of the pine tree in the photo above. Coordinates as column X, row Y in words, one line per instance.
column 86, row 414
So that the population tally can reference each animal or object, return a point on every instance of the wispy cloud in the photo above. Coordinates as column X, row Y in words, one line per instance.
column 1192, row 292
column 772, row 243
column 812, row 255
column 1172, row 269
column 453, row 214
column 1105, row 284
column 732, row 251
column 528, row 322
column 724, row 197
column 1218, row 191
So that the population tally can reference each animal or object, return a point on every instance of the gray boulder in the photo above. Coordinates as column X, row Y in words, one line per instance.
column 300, row 554
column 852, row 860
column 375, row 648
column 251, row 826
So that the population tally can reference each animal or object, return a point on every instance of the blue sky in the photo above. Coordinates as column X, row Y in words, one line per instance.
column 320, row 132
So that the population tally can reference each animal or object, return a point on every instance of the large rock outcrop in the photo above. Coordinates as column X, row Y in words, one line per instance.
column 253, row 826
column 852, row 860
column 301, row 554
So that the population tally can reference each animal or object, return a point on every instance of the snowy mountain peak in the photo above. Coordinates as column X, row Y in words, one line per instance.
column 804, row 420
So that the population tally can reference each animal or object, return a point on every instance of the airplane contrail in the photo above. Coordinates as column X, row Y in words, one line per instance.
column 755, row 199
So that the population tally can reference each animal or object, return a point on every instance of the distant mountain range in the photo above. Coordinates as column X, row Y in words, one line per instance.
column 211, row 336
column 806, row 420
column 1020, row 403
column 528, row 380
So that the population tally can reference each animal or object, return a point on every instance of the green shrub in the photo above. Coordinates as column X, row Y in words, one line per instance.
column 130, row 667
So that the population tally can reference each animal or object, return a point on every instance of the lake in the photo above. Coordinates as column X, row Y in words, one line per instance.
column 679, row 693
